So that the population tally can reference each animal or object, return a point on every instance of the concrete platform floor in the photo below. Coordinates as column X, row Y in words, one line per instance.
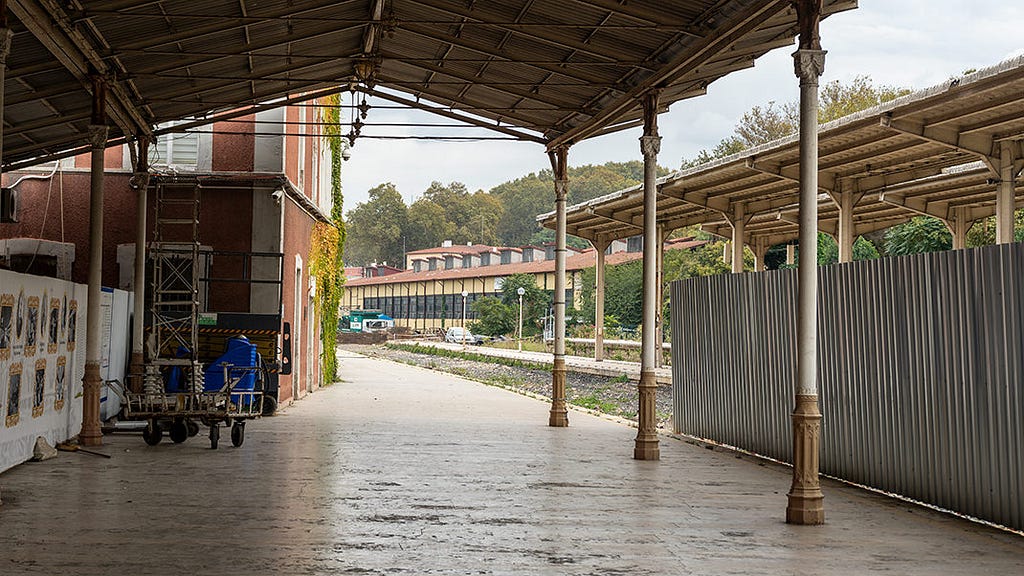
column 399, row 470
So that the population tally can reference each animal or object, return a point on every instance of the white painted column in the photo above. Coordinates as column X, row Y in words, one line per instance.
column 646, row 443
column 599, row 270
column 1005, row 194
column 739, row 222
column 846, row 237
column 959, row 227
column 760, row 248
column 805, row 500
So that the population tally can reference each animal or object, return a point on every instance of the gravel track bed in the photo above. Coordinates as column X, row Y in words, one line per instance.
column 612, row 396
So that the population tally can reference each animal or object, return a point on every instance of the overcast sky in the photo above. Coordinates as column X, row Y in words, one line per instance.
column 906, row 43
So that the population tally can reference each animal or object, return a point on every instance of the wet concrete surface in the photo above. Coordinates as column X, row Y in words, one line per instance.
column 401, row 470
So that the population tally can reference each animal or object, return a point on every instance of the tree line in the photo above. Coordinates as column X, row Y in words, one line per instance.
column 384, row 228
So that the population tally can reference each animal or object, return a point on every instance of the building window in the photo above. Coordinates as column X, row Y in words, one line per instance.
column 528, row 255
column 176, row 148
column 485, row 259
column 417, row 265
column 467, row 261
column 433, row 264
column 549, row 252
column 506, row 256
column 449, row 262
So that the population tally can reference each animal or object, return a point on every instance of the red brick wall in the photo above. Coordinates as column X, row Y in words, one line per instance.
column 234, row 152
column 118, row 216
column 298, row 227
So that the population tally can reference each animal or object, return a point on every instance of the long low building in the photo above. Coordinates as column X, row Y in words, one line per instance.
column 427, row 297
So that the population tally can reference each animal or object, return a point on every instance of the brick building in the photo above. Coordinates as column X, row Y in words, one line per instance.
column 263, row 182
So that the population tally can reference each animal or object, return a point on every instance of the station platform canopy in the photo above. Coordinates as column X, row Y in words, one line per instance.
column 933, row 152
column 549, row 71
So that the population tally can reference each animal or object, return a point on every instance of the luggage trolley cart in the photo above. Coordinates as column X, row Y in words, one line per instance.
column 231, row 392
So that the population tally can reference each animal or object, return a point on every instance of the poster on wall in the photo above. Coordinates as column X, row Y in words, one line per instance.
column 13, row 395
column 59, row 386
column 39, row 389
column 6, row 325
column 41, row 366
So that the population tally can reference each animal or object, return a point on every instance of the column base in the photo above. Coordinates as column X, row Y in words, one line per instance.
column 806, row 501
column 646, row 450
column 559, row 415
column 806, row 508
column 91, row 435
column 645, row 447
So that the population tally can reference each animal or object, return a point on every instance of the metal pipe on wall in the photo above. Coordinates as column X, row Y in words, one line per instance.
column 139, row 280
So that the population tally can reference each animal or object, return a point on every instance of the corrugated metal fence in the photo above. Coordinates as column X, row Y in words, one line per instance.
column 921, row 372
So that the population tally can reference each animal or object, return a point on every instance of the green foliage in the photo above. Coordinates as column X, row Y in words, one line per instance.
column 922, row 234
column 828, row 249
column 524, row 198
column 864, row 249
column 623, row 293
column 983, row 233
column 761, row 125
column 450, row 212
column 837, row 100
column 327, row 246
column 494, row 318
column 375, row 228
column 535, row 301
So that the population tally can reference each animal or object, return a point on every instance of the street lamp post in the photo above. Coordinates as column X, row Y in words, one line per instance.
column 464, row 294
column 520, row 291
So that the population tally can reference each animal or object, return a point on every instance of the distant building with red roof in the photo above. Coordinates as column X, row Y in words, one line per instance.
column 428, row 293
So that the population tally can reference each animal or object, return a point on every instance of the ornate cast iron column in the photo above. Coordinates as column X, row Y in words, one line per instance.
column 559, row 416
column 646, row 445
column 91, row 435
column 805, row 497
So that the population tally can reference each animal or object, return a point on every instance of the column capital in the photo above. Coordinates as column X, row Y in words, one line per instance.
column 98, row 135
column 561, row 190
column 809, row 65
column 650, row 146
column 6, row 34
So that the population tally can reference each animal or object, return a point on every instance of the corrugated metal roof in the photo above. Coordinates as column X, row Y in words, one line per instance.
column 917, row 154
column 553, row 71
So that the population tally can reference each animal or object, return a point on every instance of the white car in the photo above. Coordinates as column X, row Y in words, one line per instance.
column 456, row 334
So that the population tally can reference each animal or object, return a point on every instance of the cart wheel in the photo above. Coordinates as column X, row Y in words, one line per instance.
column 178, row 431
column 214, row 435
column 269, row 405
column 193, row 428
column 238, row 434
column 152, row 433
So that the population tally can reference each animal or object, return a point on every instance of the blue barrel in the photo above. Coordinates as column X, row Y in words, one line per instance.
column 242, row 356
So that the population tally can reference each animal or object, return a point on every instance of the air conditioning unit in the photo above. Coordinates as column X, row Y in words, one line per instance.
column 8, row 206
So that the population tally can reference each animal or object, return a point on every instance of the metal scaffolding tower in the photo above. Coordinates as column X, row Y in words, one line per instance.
column 175, row 304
